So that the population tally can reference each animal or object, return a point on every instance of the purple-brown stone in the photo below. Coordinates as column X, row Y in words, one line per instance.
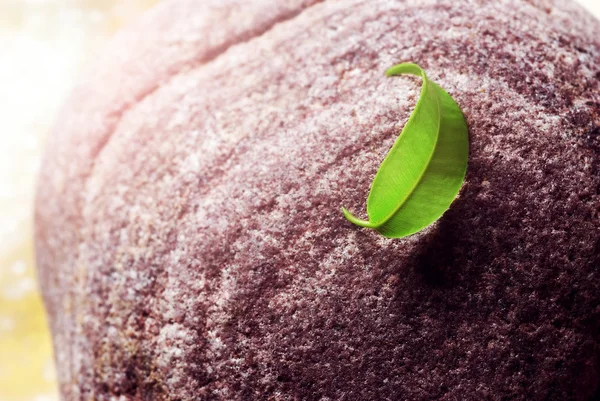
column 190, row 241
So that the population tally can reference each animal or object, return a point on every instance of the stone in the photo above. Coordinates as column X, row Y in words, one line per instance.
column 189, row 237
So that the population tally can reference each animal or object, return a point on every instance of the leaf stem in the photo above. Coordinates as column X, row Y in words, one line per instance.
column 357, row 221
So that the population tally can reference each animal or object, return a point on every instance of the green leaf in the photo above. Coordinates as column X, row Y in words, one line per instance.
column 424, row 170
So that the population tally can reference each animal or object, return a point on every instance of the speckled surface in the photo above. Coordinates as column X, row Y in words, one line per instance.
column 189, row 236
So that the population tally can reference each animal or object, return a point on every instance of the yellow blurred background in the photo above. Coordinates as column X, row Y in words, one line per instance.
column 43, row 46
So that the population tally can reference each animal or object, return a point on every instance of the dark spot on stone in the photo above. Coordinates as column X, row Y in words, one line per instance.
column 580, row 118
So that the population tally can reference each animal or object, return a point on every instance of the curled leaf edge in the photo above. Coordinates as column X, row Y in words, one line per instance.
column 400, row 69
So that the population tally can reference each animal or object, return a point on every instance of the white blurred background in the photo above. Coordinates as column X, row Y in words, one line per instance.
column 43, row 45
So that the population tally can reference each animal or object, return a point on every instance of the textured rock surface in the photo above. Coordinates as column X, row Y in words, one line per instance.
column 189, row 235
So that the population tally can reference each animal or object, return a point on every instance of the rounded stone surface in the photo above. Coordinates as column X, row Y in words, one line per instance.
column 189, row 237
